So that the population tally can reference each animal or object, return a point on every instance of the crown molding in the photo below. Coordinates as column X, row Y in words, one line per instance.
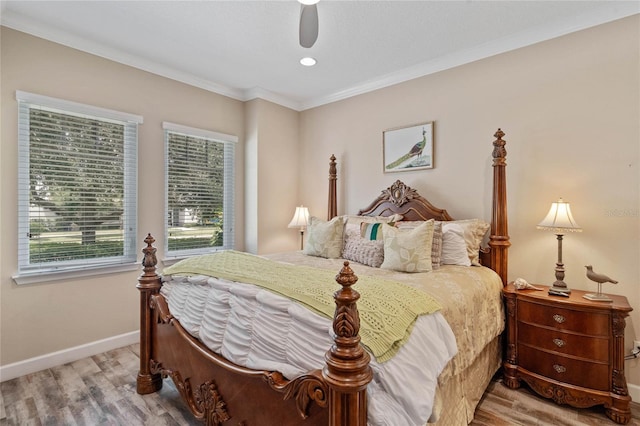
column 612, row 12
column 267, row 95
column 20, row 23
column 513, row 42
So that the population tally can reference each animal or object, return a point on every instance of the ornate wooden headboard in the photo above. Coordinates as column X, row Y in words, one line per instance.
column 401, row 199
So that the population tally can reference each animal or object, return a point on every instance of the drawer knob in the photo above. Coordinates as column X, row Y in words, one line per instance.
column 559, row 342
column 559, row 368
column 558, row 318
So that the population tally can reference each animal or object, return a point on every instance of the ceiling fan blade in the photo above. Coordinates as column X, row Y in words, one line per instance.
column 308, row 25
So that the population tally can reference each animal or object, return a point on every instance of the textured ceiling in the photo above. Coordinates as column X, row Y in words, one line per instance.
column 248, row 49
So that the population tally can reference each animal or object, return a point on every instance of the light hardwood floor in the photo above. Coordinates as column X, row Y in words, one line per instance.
column 100, row 390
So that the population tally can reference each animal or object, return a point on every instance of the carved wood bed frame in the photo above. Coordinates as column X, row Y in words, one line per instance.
column 220, row 392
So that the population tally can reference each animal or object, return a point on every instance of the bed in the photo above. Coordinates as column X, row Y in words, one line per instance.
column 340, row 384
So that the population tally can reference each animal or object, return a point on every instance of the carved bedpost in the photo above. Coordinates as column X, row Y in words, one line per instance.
column 333, row 203
column 149, row 284
column 499, row 239
column 347, row 372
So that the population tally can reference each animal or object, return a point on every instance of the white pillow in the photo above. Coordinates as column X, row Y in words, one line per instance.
column 408, row 250
column 473, row 232
column 324, row 239
column 454, row 247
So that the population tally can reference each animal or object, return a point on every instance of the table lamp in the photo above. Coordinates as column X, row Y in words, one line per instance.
column 300, row 220
column 559, row 220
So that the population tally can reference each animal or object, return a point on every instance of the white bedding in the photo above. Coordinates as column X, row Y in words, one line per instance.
column 258, row 329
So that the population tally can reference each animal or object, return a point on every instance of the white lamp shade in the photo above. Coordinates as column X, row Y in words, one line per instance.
column 559, row 219
column 300, row 218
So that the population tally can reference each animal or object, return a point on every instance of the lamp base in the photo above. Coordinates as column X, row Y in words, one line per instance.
column 560, row 287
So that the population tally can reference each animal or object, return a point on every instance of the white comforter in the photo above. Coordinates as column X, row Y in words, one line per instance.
column 258, row 329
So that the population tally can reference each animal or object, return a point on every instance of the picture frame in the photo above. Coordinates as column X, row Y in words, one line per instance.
column 408, row 148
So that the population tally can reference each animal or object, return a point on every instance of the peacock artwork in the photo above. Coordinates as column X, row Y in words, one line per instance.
column 408, row 148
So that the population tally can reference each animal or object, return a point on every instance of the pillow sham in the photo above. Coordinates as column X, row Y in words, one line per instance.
column 454, row 247
column 361, row 250
column 436, row 245
column 408, row 250
column 473, row 231
column 324, row 239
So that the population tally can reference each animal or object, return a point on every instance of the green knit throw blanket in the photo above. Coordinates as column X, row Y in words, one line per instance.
column 388, row 309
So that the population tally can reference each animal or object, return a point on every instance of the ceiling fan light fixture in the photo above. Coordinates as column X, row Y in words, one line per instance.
column 308, row 61
column 308, row 31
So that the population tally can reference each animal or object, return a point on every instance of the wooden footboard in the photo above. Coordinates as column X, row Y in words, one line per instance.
column 220, row 392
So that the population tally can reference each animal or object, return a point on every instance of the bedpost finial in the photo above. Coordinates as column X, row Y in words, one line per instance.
column 499, row 151
column 346, row 277
column 149, row 261
column 346, row 321
column 333, row 172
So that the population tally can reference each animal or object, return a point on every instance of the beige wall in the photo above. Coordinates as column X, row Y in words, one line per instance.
column 571, row 110
column 42, row 318
column 271, row 176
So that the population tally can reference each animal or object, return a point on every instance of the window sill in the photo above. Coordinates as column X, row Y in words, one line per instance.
column 42, row 277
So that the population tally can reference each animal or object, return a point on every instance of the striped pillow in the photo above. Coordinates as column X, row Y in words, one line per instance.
column 371, row 231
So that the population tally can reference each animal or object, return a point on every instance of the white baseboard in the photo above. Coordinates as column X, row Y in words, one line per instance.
column 634, row 392
column 32, row 365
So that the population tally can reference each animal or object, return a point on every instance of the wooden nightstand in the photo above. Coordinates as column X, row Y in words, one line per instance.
column 569, row 349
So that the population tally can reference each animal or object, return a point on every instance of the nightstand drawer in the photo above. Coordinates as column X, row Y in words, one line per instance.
column 588, row 323
column 587, row 374
column 596, row 348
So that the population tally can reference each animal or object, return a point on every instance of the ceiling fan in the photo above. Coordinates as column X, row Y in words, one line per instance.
column 308, row 22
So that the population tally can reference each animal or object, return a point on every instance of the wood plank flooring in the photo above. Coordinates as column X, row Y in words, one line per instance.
column 100, row 390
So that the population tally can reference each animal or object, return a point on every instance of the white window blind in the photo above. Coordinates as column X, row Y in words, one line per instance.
column 199, row 190
column 77, row 186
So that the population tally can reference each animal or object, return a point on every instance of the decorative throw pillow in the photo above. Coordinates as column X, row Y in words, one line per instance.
column 436, row 245
column 371, row 231
column 408, row 250
column 454, row 248
column 324, row 239
column 361, row 250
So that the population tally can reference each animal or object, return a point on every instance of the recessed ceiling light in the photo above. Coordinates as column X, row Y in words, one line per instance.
column 308, row 61
column 308, row 2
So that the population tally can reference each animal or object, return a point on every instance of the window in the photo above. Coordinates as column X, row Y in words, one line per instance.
column 200, row 189
column 77, row 186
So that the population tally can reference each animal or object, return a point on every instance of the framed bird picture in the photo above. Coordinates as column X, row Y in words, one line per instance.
column 408, row 148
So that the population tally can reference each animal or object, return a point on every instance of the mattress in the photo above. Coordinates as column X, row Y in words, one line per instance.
column 262, row 330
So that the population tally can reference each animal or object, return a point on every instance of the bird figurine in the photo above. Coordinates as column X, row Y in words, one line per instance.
column 600, row 279
column 416, row 150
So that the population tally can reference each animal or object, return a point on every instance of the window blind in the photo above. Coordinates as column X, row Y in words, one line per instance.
column 77, row 185
column 199, row 190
